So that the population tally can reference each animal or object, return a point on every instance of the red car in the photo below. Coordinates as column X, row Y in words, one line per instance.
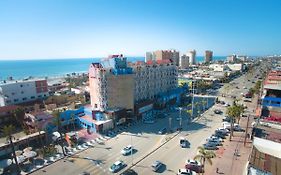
column 194, row 165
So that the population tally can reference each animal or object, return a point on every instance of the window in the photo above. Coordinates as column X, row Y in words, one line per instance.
column 16, row 100
column 13, row 93
column 24, row 98
column 32, row 97
column 21, row 85
column 39, row 96
column 22, row 92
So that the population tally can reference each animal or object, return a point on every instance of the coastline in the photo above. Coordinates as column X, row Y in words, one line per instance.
column 56, row 68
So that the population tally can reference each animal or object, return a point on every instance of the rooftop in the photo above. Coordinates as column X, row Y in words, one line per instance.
column 269, row 132
column 273, row 86
column 267, row 147
column 7, row 82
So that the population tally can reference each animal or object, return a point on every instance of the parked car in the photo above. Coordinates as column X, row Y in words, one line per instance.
column 214, row 138
column 238, row 128
column 226, row 119
column 163, row 131
column 209, row 146
column 156, row 166
column 220, row 135
column 127, row 150
column 194, row 165
column 214, row 142
column 117, row 166
column 129, row 172
column 222, row 131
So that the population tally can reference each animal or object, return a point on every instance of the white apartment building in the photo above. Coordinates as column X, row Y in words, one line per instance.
column 149, row 56
column 151, row 80
column 218, row 67
column 192, row 55
column 16, row 92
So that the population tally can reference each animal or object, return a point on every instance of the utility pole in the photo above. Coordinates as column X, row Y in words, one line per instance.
column 192, row 98
column 132, row 149
column 246, row 132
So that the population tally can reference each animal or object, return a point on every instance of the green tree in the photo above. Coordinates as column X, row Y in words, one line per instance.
column 57, row 122
column 8, row 133
column 234, row 112
column 72, row 116
column 204, row 156
column 18, row 115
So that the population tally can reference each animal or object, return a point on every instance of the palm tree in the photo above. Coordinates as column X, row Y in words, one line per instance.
column 234, row 112
column 73, row 120
column 204, row 155
column 18, row 115
column 8, row 131
column 57, row 122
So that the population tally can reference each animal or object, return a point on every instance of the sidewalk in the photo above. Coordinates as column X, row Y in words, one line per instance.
column 226, row 161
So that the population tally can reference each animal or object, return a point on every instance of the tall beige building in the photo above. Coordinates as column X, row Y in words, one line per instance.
column 184, row 62
column 114, row 84
column 208, row 56
column 172, row 55
column 192, row 56
column 111, row 84
column 153, row 79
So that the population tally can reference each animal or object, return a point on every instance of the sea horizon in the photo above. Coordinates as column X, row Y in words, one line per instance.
column 41, row 68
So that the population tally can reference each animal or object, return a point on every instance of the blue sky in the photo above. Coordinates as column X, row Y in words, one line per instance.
column 93, row 28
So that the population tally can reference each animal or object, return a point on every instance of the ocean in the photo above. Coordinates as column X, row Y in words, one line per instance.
column 19, row 69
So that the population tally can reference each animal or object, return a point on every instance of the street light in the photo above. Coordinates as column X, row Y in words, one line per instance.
column 170, row 123
column 132, row 149
column 180, row 108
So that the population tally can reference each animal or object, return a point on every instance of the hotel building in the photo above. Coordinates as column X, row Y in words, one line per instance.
column 16, row 92
column 171, row 55
column 114, row 84
column 111, row 84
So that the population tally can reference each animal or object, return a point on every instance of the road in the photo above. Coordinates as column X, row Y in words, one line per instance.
column 146, row 140
column 144, row 137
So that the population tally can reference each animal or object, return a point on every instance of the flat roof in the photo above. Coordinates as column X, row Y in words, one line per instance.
column 270, row 133
column 268, row 147
column 273, row 86
column 7, row 82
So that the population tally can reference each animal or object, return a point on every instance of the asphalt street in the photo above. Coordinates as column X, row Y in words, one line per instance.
column 150, row 145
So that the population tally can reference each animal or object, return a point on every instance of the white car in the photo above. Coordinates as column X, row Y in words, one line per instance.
column 214, row 138
column 127, row 150
column 185, row 172
column 117, row 166
column 225, row 131
column 89, row 143
column 214, row 142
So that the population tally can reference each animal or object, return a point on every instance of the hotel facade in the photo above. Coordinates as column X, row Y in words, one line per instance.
column 136, row 87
